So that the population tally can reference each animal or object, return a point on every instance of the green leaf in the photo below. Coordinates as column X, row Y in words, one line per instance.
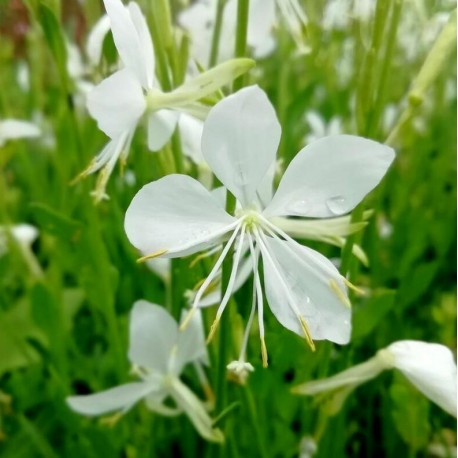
column 16, row 329
column 55, row 223
column 370, row 314
column 55, row 39
column 410, row 413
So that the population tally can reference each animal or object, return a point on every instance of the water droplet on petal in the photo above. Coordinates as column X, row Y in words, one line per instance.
column 337, row 205
column 298, row 207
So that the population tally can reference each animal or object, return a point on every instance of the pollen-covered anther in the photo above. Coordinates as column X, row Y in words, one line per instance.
column 264, row 355
column 356, row 289
column 187, row 319
column 111, row 420
column 339, row 293
column 156, row 254
column 307, row 333
column 213, row 329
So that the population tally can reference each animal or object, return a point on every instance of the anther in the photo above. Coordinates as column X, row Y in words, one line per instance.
column 264, row 355
column 339, row 293
column 156, row 254
column 307, row 334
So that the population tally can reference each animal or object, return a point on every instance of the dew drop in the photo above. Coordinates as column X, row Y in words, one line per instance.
column 336, row 205
column 298, row 207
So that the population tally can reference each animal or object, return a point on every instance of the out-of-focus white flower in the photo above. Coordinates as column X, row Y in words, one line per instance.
column 307, row 447
column 158, row 353
column 417, row 32
column 431, row 368
column 338, row 14
column 79, row 69
column 176, row 216
column 14, row 129
column 240, row 370
column 438, row 450
column 120, row 101
column 23, row 76
column 319, row 128
column 24, row 235
column 263, row 15
column 94, row 43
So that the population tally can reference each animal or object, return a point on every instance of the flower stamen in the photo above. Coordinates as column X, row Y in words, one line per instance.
column 156, row 254
column 211, row 276
column 339, row 293
column 230, row 285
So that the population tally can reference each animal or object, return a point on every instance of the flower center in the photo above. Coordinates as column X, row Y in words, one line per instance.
column 251, row 219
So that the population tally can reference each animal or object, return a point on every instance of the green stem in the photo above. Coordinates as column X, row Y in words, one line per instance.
column 386, row 63
column 224, row 342
column 348, row 261
column 159, row 25
column 251, row 405
column 365, row 92
column 364, row 106
column 241, row 37
column 213, row 59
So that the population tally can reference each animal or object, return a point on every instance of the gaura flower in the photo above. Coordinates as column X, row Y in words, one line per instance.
column 120, row 101
column 176, row 216
column 14, row 129
column 430, row 367
column 158, row 353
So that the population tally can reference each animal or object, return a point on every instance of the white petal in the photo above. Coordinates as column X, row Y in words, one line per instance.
column 265, row 189
column 95, row 40
column 75, row 66
column 316, row 123
column 153, row 334
column 11, row 129
column 119, row 398
column 191, row 137
column 431, row 368
column 307, row 277
column 240, row 140
column 146, row 42
column 351, row 377
column 177, row 214
column 330, row 177
column 195, row 411
column 129, row 37
column 25, row 234
column 161, row 267
column 261, row 20
column 191, row 342
column 161, row 125
column 117, row 103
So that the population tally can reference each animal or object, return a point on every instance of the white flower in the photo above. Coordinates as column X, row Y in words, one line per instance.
column 158, row 352
column 80, row 69
column 263, row 15
column 176, row 216
column 307, row 447
column 240, row 370
column 119, row 102
column 338, row 14
column 429, row 367
column 319, row 128
column 13, row 129
column 23, row 235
